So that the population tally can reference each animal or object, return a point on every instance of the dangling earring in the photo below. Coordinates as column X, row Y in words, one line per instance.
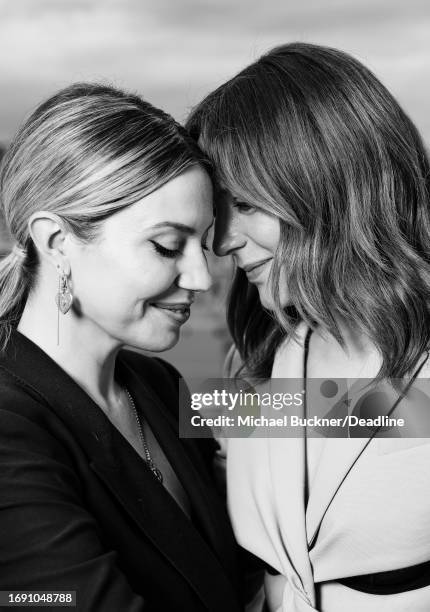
column 63, row 299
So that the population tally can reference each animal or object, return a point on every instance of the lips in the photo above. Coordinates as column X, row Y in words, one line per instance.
column 179, row 312
column 180, row 307
column 251, row 267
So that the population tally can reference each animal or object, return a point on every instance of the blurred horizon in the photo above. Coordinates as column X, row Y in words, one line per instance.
column 175, row 52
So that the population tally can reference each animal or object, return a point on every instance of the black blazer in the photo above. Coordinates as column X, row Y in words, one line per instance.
column 79, row 509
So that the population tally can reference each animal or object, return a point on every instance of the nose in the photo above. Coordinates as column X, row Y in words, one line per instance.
column 227, row 237
column 194, row 273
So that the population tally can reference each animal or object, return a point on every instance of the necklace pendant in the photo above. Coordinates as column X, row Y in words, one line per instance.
column 157, row 473
column 149, row 461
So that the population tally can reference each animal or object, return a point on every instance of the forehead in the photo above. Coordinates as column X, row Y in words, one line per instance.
column 185, row 199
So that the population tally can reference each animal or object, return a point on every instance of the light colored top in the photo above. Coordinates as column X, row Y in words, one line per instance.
column 368, row 510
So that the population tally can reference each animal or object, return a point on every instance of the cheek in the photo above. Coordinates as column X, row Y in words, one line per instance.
column 154, row 279
column 113, row 283
column 264, row 230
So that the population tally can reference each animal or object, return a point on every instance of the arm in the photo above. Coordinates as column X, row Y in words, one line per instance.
column 48, row 539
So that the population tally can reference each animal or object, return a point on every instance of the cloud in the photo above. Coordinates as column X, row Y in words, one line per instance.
column 175, row 51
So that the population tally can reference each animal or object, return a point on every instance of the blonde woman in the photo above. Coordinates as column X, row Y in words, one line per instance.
column 324, row 207
column 109, row 202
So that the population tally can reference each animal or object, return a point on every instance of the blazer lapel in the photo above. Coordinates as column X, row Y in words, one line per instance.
column 340, row 455
column 145, row 499
column 116, row 463
column 338, row 458
column 184, row 457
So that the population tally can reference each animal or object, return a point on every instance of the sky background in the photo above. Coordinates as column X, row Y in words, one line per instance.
column 175, row 51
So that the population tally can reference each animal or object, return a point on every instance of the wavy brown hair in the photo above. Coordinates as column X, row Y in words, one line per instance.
column 309, row 134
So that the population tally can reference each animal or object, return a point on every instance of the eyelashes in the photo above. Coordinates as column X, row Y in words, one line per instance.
column 244, row 208
column 170, row 253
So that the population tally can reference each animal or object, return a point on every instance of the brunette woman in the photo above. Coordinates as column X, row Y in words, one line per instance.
column 323, row 204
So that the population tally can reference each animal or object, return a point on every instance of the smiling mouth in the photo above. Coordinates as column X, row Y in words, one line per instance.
column 255, row 267
column 181, row 308
column 179, row 312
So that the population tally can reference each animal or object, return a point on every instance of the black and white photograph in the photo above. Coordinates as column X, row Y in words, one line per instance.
column 215, row 305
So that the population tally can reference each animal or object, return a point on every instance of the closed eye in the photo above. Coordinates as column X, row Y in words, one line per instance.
column 244, row 208
column 161, row 250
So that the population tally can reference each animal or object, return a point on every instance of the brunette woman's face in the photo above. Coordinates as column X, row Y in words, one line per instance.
column 251, row 236
column 135, row 283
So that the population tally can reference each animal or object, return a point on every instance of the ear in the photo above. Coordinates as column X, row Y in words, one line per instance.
column 49, row 233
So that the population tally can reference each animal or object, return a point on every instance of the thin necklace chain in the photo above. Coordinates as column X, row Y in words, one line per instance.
column 149, row 460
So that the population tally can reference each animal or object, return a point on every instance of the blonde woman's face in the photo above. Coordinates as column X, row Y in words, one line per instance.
column 136, row 282
column 251, row 236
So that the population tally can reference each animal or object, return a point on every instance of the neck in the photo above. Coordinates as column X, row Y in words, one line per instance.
column 84, row 350
column 356, row 344
column 357, row 356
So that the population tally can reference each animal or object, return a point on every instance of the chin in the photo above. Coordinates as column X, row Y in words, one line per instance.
column 266, row 299
column 267, row 302
column 158, row 345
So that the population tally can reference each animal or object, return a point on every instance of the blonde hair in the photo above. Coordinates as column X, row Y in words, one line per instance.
column 85, row 153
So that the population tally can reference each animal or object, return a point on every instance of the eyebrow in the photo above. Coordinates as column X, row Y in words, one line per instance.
column 181, row 227
column 186, row 229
